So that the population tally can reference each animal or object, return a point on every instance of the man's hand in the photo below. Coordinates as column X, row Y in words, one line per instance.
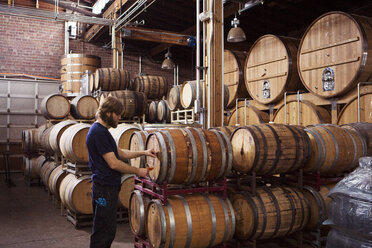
column 151, row 153
column 142, row 172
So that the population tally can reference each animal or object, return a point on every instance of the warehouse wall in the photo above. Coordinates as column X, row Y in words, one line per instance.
column 32, row 46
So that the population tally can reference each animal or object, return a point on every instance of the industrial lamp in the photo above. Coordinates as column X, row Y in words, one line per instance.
column 236, row 34
column 168, row 62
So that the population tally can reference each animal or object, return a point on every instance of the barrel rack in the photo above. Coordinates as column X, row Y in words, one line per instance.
column 162, row 192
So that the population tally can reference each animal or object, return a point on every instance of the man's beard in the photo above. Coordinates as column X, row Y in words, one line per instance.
column 111, row 122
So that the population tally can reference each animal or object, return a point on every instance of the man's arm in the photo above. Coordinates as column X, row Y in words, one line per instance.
column 127, row 154
column 122, row 167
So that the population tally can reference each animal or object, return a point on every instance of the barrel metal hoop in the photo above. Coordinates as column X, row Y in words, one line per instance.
column 223, row 152
column 164, row 163
column 233, row 219
column 249, row 198
column 229, row 152
column 188, row 219
column 320, row 202
column 262, row 205
column 163, row 222
column 355, row 146
column 296, row 140
column 278, row 152
column 335, row 143
column 257, row 149
column 173, row 155
column 100, row 78
column 303, row 222
column 227, row 219
column 205, row 154
column 159, row 84
column 294, row 210
column 277, row 208
column 109, row 80
column 172, row 224
column 141, row 209
column 120, row 79
column 321, row 148
column 194, row 156
column 265, row 149
column 213, row 216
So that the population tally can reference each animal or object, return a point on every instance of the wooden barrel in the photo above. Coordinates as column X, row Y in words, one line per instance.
column 188, row 94
column 152, row 112
column 134, row 102
column 137, row 142
column 301, row 113
column 349, row 113
column 76, row 194
column 45, row 172
column 109, row 79
column 84, row 107
column 365, row 131
column 272, row 212
column 33, row 167
column 154, row 87
column 73, row 67
column 39, row 134
column 55, row 179
column 190, row 221
column 271, row 68
column 233, row 75
column 127, row 186
column 29, row 141
column 332, row 62
column 45, row 141
column 91, row 82
column 56, row 133
column 269, row 149
column 72, row 143
column 334, row 149
column 122, row 134
column 174, row 98
column 247, row 116
column 163, row 112
column 55, row 106
column 318, row 203
column 188, row 155
column 228, row 130
column 137, row 212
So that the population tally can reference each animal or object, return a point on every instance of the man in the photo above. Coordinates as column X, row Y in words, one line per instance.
column 106, row 166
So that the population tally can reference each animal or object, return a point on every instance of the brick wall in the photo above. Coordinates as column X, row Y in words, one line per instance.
column 32, row 46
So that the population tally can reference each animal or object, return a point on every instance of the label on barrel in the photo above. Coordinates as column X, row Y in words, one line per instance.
column 328, row 79
column 266, row 89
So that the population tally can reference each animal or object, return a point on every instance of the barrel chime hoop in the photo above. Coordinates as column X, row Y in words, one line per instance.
column 205, row 154
column 227, row 219
column 142, row 208
column 120, row 78
column 321, row 148
column 194, row 156
column 278, row 151
column 172, row 224
column 229, row 151
column 163, row 222
column 303, row 222
column 265, row 148
column 213, row 217
column 335, row 143
column 79, row 180
column 262, row 205
column 257, row 149
column 223, row 152
column 296, row 138
column 320, row 202
column 172, row 151
column 164, row 153
column 277, row 208
column 355, row 145
column 188, row 220
column 248, row 197
column 233, row 219
column 294, row 210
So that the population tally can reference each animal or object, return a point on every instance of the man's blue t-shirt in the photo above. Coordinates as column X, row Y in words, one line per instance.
column 100, row 141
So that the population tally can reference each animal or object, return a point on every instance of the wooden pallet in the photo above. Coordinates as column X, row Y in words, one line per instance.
column 78, row 169
column 79, row 220
column 186, row 116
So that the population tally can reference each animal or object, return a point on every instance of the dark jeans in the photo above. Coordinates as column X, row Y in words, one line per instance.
column 105, row 203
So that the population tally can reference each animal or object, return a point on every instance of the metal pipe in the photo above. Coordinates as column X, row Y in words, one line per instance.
column 298, row 107
column 174, row 74
column 177, row 75
column 71, row 6
column 66, row 38
column 209, row 63
column 122, row 53
column 204, row 66
column 222, row 69
column 197, row 101
column 139, row 65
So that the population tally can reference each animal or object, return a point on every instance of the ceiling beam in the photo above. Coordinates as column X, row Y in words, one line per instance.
column 155, row 35
column 229, row 10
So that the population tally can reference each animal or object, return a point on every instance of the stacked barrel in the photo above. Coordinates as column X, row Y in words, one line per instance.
column 186, row 156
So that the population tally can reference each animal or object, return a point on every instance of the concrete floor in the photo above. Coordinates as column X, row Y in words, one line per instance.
column 29, row 220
